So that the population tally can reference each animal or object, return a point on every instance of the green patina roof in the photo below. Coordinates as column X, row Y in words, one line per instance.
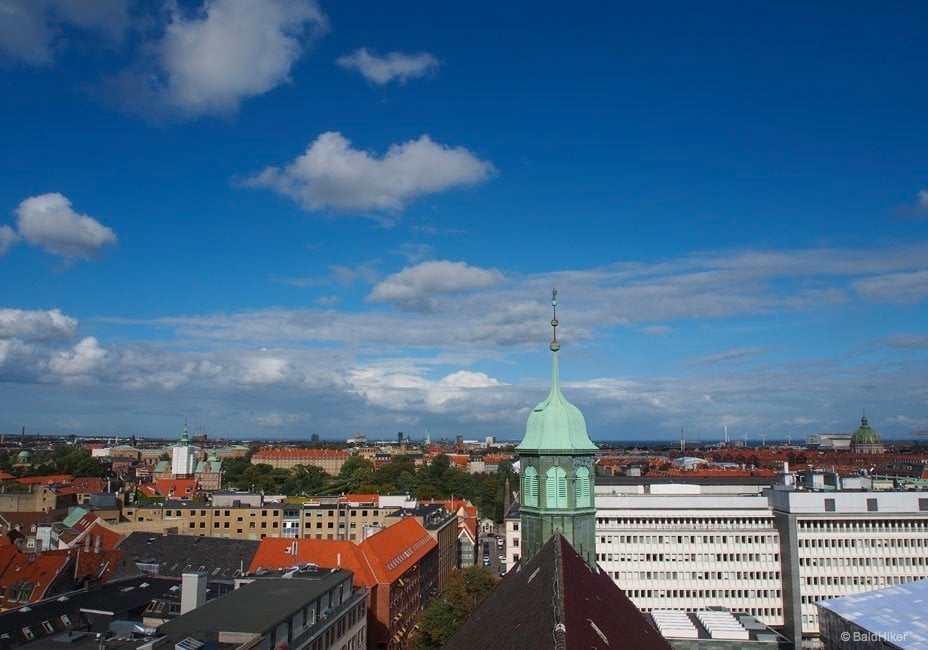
column 556, row 424
column 865, row 435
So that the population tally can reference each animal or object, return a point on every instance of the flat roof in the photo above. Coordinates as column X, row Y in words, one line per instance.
column 897, row 615
column 255, row 607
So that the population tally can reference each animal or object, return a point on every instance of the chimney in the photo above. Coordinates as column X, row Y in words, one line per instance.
column 192, row 591
column 97, row 543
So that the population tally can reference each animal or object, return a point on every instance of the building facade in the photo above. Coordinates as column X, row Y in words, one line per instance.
column 329, row 460
column 669, row 549
column 840, row 543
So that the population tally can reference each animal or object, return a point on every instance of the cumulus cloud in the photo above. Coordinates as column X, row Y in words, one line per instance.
column 416, row 287
column 394, row 66
column 331, row 174
column 31, row 30
column 48, row 221
column 80, row 363
column 8, row 239
column 209, row 61
column 25, row 325
column 922, row 200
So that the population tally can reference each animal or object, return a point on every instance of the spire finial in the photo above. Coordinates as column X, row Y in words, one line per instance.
column 555, row 346
column 185, row 437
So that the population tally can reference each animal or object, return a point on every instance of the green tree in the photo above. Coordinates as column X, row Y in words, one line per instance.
column 464, row 592
column 352, row 464
column 436, row 625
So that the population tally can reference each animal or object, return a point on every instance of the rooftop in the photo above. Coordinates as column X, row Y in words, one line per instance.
column 172, row 555
column 255, row 607
column 557, row 600
column 897, row 613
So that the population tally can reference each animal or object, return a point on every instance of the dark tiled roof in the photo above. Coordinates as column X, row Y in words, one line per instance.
column 175, row 554
column 556, row 600
column 256, row 607
column 115, row 597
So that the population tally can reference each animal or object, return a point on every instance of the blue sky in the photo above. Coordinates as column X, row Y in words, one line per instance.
column 285, row 218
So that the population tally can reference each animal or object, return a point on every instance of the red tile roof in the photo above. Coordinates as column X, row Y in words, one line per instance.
column 18, row 570
column 381, row 558
column 278, row 553
column 176, row 487
column 393, row 550
column 360, row 498
column 51, row 479
column 91, row 527
column 4, row 476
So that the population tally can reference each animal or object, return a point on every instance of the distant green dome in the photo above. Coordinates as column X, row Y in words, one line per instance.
column 24, row 456
column 865, row 435
column 556, row 424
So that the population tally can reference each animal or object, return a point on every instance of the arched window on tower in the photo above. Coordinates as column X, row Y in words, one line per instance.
column 583, row 488
column 556, row 484
column 530, row 487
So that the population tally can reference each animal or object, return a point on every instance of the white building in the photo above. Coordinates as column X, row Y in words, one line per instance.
column 683, row 547
column 841, row 543
column 184, row 456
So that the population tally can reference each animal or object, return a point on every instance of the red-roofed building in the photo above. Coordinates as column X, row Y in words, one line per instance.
column 51, row 479
column 399, row 566
column 329, row 460
column 175, row 488
column 29, row 577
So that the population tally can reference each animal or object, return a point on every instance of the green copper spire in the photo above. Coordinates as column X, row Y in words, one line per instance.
column 185, row 437
column 556, row 424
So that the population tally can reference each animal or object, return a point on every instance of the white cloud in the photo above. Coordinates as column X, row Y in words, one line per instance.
column 328, row 300
column 80, row 363
column 48, row 221
column 332, row 174
column 228, row 51
column 394, row 66
column 903, row 288
column 30, row 30
column 8, row 239
column 923, row 199
column 275, row 419
column 49, row 325
column 416, row 287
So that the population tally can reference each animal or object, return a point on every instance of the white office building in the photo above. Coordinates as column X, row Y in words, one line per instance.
column 840, row 543
column 685, row 547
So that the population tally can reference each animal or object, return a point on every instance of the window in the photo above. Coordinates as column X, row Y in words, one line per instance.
column 923, row 505
column 872, row 505
column 829, row 505
column 556, row 488
column 530, row 487
column 583, row 488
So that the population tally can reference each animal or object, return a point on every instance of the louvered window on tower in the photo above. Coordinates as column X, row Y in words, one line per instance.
column 530, row 487
column 583, row 488
column 556, row 483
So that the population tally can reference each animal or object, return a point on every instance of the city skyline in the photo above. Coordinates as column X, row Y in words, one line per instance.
column 284, row 218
